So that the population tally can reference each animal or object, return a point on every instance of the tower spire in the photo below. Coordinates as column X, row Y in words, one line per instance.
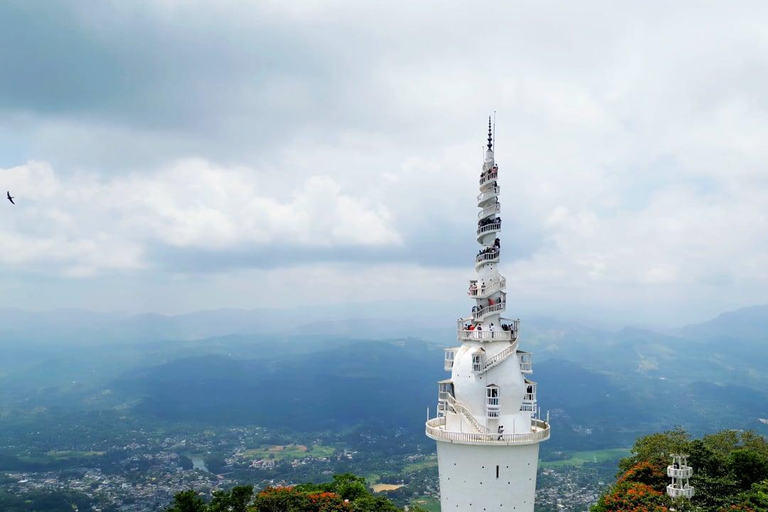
column 490, row 135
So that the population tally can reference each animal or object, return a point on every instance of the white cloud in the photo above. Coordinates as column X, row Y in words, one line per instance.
column 85, row 223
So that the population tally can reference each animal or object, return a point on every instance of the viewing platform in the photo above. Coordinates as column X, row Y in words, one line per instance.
column 435, row 429
column 500, row 334
column 675, row 492
column 487, row 257
column 489, row 177
column 484, row 291
column 488, row 228
column 682, row 472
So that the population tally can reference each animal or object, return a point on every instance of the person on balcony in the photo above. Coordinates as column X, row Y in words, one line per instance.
column 497, row 243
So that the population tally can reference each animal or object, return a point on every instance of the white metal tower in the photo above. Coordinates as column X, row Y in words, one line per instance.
column 487, row 426
column 679, row 471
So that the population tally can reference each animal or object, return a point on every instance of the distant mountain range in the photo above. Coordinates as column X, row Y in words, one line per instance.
column 283, row 369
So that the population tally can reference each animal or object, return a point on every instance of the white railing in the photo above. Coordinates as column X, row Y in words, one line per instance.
column 435, row 429
column 495, row 191
column 527, row 407
column 682, row 472
column 496, row 226
column 492, row 407
column 459, row 408
column 676, row 492
column 470, row 335
column 450, row 354
column 477, row 315
column 491, row 210
column 529, row 397
column 498, row 358
column 487, row 256
column 483, row 291
column 490, row 176
column 526, row 362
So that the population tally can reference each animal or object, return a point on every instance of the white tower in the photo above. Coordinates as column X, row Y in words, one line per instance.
column 487, row 427
column 679, row 471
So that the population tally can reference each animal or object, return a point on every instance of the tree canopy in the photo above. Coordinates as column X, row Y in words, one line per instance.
column 730, row 473
column 346, row 493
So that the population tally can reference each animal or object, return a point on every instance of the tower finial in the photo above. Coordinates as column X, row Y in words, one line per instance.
column 490, row 135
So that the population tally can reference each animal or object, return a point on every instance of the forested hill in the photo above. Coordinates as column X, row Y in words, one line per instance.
column 730, row 473
column 346, row 493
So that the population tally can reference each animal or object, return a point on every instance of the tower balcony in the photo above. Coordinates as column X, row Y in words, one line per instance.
column 490, row 210
column 507, row 332
column 526, row 362
column 435, row 429
column 681, row 472
column 676, row 492
column 488, row 228
column 488, row 195
column 487, row 257
column 489, row 177
column 484, row 291
column 450, row 354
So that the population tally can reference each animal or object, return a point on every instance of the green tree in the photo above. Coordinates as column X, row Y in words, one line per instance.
column 748, row 467
column 187, row 501
column 657, row 447
column 236, row 499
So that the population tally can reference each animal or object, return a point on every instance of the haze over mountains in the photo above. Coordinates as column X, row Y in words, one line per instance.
column 275, row 368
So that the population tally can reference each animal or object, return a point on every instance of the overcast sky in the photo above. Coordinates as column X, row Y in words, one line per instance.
column 170, row 156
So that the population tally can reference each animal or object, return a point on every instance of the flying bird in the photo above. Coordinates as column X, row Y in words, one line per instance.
column 8, row 192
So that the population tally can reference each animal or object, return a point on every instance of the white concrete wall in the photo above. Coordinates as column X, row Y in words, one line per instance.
column 468, row 477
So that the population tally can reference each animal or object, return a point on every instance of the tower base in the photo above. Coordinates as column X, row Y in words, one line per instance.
column 477, row 477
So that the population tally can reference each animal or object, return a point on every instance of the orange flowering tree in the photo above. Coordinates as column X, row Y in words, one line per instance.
column 632, row 497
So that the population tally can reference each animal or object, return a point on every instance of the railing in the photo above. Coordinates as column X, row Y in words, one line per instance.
column 682, row 472
column 477, row 315
column 529, row 397
column 483, row 290
column 495, row 191
column 539, row 432
column 492, row 407
column 496, row 226
column 491, row 176
column 500, row 335
column 485, row 212
column 458, row 407
column 676, row 492
column 450, row 354
column 498, row 358
column 526, row 362
column 487, row 256
column 527, row 407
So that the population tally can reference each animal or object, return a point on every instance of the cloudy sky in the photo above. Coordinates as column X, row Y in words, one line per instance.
column 170, row 156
